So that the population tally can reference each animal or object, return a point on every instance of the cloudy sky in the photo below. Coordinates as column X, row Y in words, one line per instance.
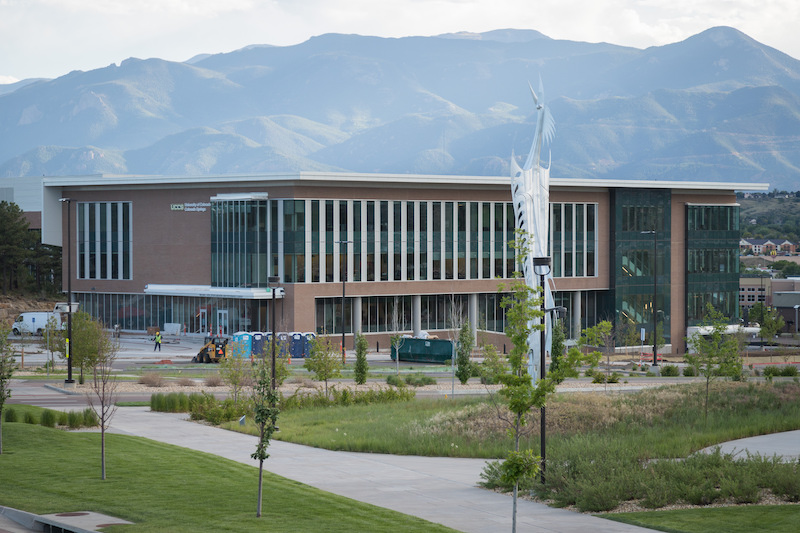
column 49, row 38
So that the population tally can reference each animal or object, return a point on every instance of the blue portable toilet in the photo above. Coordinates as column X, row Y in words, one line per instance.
column 267, row 348
column 308, row 337
column 258, row 343
column 297, row 344
column 244, row 339
column 285, row 341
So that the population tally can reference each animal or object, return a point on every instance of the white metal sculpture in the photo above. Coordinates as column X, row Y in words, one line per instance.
column 530, row 190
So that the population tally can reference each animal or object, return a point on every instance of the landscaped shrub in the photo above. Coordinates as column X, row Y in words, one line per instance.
column 689, row 371
column 63, row 418
column 90, row 419
column 493, row 365
column 669, row 371
column 223, row 411
column 595, row 497
column 10, row 415
column 614, row 377
column 74, row 419
column 198, row 399
column 419, row 380
column 658, row 492
column 786, row 371
column 152, row 379
column 598, row 377
column 740, row 490
column 214, row 380
column 704, row 493
column 395, row 380
column 785, row 482
column 186, row 382
column 49, row 418
column 300, row 400
column 30, row 418
column 173, row 402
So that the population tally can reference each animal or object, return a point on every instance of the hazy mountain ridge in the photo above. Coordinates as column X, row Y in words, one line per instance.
column 717, row 106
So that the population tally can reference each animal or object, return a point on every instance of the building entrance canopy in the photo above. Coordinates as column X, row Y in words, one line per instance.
column 207, row 291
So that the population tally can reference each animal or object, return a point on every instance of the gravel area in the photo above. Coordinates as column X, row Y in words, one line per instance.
column 443, row 386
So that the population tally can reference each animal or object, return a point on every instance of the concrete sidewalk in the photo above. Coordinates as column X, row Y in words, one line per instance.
column 441, row 490
column 785, row 445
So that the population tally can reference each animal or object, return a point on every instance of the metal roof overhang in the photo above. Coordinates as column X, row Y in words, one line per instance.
column 207, row 291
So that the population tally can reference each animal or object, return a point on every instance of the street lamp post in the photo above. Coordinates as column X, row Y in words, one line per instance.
column 343, row 274
column 796, row 307
column 655, row 294
column 541, row 266
column 68, row 348
column 271, row 281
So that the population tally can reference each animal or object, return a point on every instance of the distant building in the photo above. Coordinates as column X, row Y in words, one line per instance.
column 197, row 251
column 767, row 246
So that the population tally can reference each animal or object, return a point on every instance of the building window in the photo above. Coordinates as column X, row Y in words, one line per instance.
column 104, row 240
column 573, row 239
column 239, row 242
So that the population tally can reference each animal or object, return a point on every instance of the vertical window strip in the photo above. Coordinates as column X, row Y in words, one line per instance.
column 103, row 237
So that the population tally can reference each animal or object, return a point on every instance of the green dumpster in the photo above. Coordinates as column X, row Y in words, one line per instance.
column 424, row 350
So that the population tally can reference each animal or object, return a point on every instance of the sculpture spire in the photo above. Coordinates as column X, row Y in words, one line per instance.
column 530, row 191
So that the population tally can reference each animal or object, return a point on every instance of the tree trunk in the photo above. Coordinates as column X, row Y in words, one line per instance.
column 260, row 484
column 514, row 512
column 102, row 450
column 1, row 433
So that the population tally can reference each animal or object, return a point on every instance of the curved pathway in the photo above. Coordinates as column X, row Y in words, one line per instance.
column 441, row 490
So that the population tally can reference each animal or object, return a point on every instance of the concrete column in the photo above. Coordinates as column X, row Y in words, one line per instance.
column 357, row 315
column 473, row 314
column 416, row 314
column 576, row 313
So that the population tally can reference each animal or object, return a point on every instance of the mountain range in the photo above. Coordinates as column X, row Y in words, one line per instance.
column 718, row 106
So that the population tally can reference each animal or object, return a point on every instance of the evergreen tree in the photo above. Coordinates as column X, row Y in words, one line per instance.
column 557, row 353
column 362, row 367
column 466, row 341
column 15, row 245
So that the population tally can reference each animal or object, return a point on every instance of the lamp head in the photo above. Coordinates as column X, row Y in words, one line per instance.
column 541, row 265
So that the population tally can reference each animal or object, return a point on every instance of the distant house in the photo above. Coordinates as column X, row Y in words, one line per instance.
column 767, row 246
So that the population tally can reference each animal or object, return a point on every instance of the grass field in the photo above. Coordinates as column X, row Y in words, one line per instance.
column 746, row 519
column 653, row 424
column 166, row 488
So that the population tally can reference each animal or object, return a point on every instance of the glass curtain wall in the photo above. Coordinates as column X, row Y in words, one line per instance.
column 712, row 261
column 137, row 312
column 239, row 242
column 640, row 252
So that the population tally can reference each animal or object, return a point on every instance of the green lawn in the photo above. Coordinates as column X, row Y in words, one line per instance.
column 750, row 519
column 166, row 488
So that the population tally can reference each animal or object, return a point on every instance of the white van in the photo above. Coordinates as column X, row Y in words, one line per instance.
column 34, row 322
